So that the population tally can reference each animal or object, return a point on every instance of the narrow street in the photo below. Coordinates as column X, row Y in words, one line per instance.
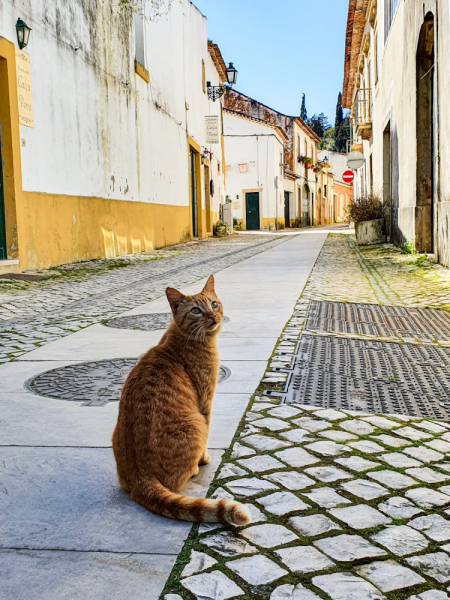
column 150, row 144
column 345, row 504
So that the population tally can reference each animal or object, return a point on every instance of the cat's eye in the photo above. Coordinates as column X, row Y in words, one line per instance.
column 195, row 311
column 214, row 305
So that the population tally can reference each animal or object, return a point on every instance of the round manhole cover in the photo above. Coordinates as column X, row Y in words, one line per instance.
column 92, row 383
column 150, row 322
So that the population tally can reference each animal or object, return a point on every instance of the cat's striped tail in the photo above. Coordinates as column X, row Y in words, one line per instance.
column 157, row 499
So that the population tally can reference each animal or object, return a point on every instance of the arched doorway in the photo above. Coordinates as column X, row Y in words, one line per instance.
column 305, row 207
column 425, row 139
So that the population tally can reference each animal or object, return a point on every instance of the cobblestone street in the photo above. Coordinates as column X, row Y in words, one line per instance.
column 346, row 503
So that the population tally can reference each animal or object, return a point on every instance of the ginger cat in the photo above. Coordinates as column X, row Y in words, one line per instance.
column 164, row 414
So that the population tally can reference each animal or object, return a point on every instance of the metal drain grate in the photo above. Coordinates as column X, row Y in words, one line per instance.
column 151, row 322
column 93, row 383
column 374, row 376
column 425, row 325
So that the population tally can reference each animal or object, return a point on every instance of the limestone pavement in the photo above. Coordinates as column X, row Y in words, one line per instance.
column 37, row 313
column 66, row 528
column 346, row 504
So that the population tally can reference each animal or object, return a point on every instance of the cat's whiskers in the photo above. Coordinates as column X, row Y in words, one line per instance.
column 195, row 329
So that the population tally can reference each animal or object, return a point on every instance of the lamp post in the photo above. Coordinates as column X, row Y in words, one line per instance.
column 217, row 91
column 23, row 33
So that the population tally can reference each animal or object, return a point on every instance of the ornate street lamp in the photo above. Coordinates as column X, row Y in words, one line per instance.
column 217, row 91
column 231, row 74
column 23, row 33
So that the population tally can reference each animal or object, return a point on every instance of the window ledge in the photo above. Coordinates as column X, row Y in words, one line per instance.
column 141, row 71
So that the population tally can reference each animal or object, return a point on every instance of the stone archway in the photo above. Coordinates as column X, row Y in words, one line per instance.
column 425, row 139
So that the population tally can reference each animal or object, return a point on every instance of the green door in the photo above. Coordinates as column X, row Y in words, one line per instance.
column 3, row 254
column 194, row 193
column 252, row 210
column 286, row 210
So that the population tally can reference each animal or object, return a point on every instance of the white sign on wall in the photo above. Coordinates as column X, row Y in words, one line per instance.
column 212, row 130
column 23, row 75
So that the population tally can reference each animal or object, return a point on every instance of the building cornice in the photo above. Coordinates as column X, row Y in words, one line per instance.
column 356, row 20
column 218, row 61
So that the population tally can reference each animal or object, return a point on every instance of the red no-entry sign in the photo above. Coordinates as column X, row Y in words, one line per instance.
column 348, row 176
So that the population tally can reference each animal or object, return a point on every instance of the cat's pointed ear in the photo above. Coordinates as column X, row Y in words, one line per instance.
column 175, row 298
column 209, row 286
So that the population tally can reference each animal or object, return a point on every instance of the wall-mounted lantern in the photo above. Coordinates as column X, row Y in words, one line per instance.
column 231, row 74
column 217, row 91
column 23, row 33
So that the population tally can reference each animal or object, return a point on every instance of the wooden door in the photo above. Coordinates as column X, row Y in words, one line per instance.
column 286, row 210
column 208, row 199
column 194, row 206
column 252, row 210
column 3, row 252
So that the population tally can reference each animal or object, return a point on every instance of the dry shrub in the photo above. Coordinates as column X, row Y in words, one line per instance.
column 367, row 207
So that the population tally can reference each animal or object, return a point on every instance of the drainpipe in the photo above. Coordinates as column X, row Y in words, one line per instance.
column 438, row 166
column 276, row 202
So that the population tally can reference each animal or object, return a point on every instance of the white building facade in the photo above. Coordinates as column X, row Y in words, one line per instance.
column 115, row 157
column 299, row 166
column 396, row 83
column 254, row 153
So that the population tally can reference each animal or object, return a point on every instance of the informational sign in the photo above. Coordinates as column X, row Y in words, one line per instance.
column 243, row 168
column 355, row 160
column 212, row 130
column 348, row 176
column 24, row 95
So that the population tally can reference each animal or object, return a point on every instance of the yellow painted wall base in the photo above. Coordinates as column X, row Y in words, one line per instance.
column 55, row 230
column 272, row 221
column 214, row 217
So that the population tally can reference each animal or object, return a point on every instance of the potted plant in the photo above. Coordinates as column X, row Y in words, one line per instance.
column 220, row 229
column 369, row 214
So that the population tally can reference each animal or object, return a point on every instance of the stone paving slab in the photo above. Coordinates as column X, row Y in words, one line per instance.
column 72, row 495
column 37, row 574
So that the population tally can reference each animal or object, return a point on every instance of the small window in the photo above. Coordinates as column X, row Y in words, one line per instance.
column 325, row 190
column 390, row 6
column 218, row 166
column 139, row 46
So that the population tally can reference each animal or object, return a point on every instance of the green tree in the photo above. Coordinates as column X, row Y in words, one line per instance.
column 303, row 113
column 343, row 134
column 339, row 113
column 328, row 141
column 319, row 124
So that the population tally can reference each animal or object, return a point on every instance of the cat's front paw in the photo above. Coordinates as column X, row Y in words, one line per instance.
column 205, row 459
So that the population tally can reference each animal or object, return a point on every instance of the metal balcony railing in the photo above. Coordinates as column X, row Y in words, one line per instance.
column 363, row 107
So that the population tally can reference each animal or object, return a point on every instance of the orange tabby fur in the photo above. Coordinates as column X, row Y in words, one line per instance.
column 164, row 414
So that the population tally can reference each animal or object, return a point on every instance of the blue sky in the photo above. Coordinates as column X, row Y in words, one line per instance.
column 283, row 48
